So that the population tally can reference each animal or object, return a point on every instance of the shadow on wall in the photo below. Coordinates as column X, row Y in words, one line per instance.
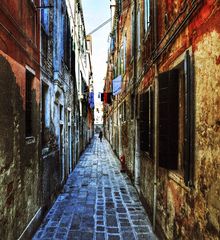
column 19, row 162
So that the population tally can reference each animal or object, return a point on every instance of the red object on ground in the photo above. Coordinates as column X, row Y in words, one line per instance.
column 123, row 163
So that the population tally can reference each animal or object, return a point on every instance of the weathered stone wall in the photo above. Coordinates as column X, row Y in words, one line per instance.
column 51, row 180
column 207, row 77
column 128, row 142
column 19, row 158
column 182, row 212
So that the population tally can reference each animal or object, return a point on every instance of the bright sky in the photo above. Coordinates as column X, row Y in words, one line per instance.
column 95, row 13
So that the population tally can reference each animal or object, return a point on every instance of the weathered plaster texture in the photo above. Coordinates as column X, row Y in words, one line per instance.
column 207, row 72
column 19, row 160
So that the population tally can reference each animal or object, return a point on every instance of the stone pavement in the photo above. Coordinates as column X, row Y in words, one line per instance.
column 97, row 203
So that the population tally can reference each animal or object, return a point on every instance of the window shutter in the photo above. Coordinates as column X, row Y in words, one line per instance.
column 137, row 106
column 102, row 97
column 168, row 119
column 109, row 98
column 144, row 121
column 151, row 123
column 189, row 122
column 132, row 106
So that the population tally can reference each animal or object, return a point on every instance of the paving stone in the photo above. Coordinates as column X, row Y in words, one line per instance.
column 146, row 237
column 113, row 237
column 98, row 202
column 100, row 222
column 111, row 220
column 87, row 236
column 100, row 228
column 60, row 235
column 121, row 210
column 48, row 235
column 74, row 235
column 128, row 235
column 100, row 236
column 112, row 230
column 142, row 229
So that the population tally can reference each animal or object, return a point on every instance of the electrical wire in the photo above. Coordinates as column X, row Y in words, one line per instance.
column 100, row 26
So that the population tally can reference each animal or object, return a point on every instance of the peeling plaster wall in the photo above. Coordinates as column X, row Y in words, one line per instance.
column 184, row 213
column 20, row 173
column 207, row 72
column 19, row 160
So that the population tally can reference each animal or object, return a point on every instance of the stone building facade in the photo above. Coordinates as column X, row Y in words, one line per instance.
column 66, row 84
column 46, row 106
column 165, row 117
column 19, row 116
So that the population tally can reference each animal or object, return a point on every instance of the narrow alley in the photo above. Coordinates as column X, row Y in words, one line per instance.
column 142, row 74
column 98, row 202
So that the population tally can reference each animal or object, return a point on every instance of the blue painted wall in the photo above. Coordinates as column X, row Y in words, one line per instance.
column 58, row 36
column 45, row 15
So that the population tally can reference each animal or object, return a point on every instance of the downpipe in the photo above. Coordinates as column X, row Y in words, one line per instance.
column 135, row 92
column 156, row 99
column 156, row 121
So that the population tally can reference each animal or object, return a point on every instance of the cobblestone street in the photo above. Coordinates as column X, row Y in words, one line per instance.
column 97, row 202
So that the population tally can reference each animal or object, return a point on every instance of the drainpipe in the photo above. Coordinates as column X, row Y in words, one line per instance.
column 136, row 130
column 120, row 132
column 156, row 145
column 156, row 104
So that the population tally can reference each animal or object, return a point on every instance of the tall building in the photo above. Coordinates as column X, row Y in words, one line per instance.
column 46, row 106
column 66, row 100
column 20, row 177
column 163, row 73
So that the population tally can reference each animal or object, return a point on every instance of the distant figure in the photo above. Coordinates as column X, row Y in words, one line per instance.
column 100, row 135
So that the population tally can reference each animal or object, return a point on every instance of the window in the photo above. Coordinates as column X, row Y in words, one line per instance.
column 168, row 119
column 44, row 46
column 132, row 33
column 119, row 64
column 28, row 104
column 189, row 122
column 176, row 120
column 123, row 111
column 121, row 61
column 45, row 113
column 146, row 122
column 45, row 16
column 119, row 7
column 112, row 44
column 67, row 41
column 132, row 106
column 72, row 62
column 68, row 116
column 147, row 14
column 124, row 52
column 61, row 112
column 31, row 21
column 138, row 30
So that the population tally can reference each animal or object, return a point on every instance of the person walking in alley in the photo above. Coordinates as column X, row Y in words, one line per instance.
column 100, row 135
